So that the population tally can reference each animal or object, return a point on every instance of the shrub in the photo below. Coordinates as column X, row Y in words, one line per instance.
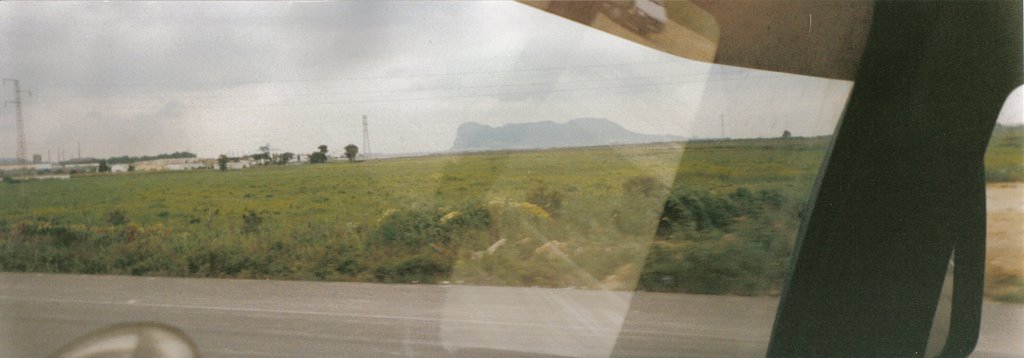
column 427, row 267
column 469, row 217
column 636, row 215
column 116, row 218
column 407, row 229
column 549, row 200
column 697, row 210
column 251, row 221
column 647, row 186
column 714, row 244
column 727, row 265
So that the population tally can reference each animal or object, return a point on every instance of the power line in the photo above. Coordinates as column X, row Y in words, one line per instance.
column 377, row 77
column 455, row 88
column 478, row 95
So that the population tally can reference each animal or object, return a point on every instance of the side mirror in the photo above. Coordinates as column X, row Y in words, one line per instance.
column 140, row 339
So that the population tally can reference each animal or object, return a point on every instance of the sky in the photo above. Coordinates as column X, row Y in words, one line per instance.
column 122, row 78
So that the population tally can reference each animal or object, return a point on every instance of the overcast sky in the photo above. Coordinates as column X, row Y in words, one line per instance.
column 225, row 78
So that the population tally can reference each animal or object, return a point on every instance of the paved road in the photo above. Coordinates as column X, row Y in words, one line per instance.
column 251, row 318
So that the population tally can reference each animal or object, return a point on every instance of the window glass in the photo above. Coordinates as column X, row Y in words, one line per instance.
column 527, row 184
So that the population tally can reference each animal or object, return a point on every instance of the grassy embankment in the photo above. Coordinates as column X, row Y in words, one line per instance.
column 1004, row 264
column 584, row 217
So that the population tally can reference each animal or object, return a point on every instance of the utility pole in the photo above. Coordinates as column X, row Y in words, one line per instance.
column 366, row 138
column 722, row 119
column 21, row 123
column 79, row 150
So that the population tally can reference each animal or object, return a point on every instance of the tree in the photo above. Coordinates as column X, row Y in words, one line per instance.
column 261, row 158
column 786, row 134
column 222, row 162
column 350, row 152
column 284, row 158
column 319, row 157
column 104, row 167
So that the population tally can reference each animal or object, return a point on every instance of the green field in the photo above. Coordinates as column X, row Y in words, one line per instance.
column 716, row 217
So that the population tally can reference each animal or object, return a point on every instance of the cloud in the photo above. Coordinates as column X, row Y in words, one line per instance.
column 102, row 133
column 140, row 78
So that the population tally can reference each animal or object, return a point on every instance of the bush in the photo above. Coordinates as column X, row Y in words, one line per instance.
column 549, row 200
column 647, row 186
column 697, row 211
column 468, row 217
column 116, row 218
column 636, row 215
column 715, row 244
column 251, row 221
column 407, row 229
column 425, row 268
column 726, row 265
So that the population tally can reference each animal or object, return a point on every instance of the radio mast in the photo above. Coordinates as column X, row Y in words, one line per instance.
column 20, row 122
column 366, row 138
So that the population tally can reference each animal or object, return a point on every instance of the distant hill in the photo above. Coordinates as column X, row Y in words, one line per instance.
column 581, row 132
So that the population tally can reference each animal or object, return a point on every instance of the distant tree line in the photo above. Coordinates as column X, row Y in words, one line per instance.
column 320, row 156
column 266, row 158
column 127, row 159
column 258, row 159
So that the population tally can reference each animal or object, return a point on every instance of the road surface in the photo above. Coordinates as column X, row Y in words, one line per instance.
column 252, row 318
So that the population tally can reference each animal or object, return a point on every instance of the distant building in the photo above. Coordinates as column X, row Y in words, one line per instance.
column 119, row 168
column 80, row 167
column 85, row 160
column 25, row 168
column 172, row 164
column 240, row 164
column 36, row 158
column 45, row 177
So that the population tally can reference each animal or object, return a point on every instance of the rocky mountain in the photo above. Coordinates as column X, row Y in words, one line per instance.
column 581, row 132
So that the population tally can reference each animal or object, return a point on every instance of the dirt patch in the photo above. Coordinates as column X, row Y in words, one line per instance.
column 1004, row 269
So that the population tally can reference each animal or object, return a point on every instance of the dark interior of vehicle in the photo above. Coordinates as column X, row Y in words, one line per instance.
column 902, row 187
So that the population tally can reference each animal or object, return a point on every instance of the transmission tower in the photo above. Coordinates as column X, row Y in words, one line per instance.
column 366, row 138
column 21, row 123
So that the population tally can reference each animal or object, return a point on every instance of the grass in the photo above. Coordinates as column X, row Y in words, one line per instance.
column 583, row 217
column 1004, row 159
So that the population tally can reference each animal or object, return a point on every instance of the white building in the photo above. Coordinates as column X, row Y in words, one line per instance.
column 240, row 164
column 171, row 164
column 80, row 168
column 185, row 166
column 37, row 167
column 119, row 168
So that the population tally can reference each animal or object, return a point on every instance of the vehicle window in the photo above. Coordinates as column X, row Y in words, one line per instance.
column 443, row 176
column 1002, row 317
